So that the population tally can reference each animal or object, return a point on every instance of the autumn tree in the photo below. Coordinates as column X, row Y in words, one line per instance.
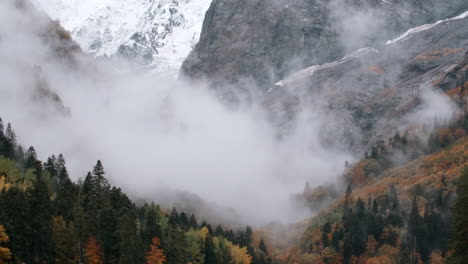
column 65, row 241
column 156, row 254
column 93, row 252
column 436, row 257
column 5, row 253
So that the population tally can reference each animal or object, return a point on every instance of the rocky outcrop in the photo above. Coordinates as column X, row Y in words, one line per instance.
column 263, row 41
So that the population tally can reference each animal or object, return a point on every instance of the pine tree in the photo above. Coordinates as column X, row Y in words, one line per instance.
column 32, row 162
column 175, row 245
column 108, row 235
column 193, row 222
column 262, row 246
column 100, row 182
column 2, row 134
column 41, row 216
column 49, row 166
column 10, row 135
column 460, row 222
column 208, row 251
column 153, row 228
column 184, row 222
column 130, row 248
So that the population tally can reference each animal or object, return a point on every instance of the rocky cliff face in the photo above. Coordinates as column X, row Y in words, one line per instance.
column 263, row 41
column 375, row 92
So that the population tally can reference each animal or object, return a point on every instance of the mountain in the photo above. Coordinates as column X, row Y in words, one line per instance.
column 261, row 42
column 376, row 92
column 155, row 35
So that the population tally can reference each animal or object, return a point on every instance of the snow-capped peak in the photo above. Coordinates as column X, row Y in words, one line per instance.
column 157, row 34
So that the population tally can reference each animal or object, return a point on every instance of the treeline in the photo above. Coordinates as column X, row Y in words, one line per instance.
column 405, row 147
column 380, row 230
column 416, row 213
column 47, row 218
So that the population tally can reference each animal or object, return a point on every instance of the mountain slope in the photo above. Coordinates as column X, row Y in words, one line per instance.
column 154, row 34
column 263, row 41
column 391, row 212
column 376, row 92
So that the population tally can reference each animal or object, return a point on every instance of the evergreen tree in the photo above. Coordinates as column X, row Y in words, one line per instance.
column 184, row 221
column 153, row 228
column 41, row 214
column 460, row 222
column 31, row 161
column 2, row 134
column 130, row 247
column 262, row 246
column 175, row 246
column 193, row 222
column 67, row 198
column 100, row 182
column 109, row 235
column 219, row 231
column 10, row 135
column 208, row 251
column 49, row 166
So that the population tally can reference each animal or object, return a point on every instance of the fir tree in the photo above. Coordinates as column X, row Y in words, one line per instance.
column 460, row 222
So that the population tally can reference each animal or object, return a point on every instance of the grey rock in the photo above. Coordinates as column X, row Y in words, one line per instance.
column 372, row 92
column 262, row 41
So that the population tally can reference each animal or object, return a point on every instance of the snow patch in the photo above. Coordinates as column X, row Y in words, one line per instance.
column 307, row 72
column 414, row 30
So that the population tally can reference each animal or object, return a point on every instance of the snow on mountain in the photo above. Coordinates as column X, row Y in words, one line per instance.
column 411, row 31
column 154, row 34
column 307, row 72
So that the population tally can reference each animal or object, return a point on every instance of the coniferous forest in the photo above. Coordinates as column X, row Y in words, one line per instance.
column 47, row 218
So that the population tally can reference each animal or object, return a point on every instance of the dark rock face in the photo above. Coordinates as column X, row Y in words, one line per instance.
column 264, row 40
column 370, row 91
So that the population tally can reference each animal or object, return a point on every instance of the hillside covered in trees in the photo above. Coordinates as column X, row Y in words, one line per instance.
column 47, row 218
column 405, row 202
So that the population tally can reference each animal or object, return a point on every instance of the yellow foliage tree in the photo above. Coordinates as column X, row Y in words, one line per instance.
column 5, row 253
column 380, row 260
column 156, row 254
column 436, row 257
column 93, row 252
column 371, row 246
column 389, row 252
column 239, row 254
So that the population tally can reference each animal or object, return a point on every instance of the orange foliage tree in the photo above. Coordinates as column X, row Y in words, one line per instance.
column 93, row 253
column 5, row 253
column 156, row 254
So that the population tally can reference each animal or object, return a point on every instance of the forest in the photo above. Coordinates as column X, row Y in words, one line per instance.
column 45, row 217
column 409, row 209
column 405, row 202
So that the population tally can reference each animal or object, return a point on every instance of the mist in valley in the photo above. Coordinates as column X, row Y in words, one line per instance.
column 158, row 137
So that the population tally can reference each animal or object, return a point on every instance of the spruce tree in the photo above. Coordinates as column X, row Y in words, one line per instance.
column 41, row 215
column 208, row 251
column 460, row 222
column 1, row 128
column 193, row 222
